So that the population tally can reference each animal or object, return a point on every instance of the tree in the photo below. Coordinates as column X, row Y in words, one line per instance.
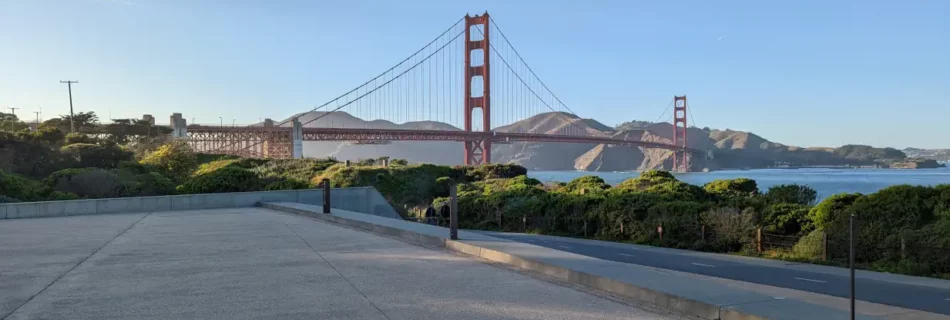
column 10, row 122
column 791, row 193
column 125, row 130
column 84, row 122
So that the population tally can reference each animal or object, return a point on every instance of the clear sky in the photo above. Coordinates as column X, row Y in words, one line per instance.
column 809, row 73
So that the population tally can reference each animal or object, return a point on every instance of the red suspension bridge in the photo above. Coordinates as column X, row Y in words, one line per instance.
column 427, row 90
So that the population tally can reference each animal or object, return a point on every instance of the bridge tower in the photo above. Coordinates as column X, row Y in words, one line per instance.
column 680, row 155
column 477, row 151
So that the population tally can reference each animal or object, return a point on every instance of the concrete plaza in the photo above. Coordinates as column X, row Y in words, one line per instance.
column 251, row 263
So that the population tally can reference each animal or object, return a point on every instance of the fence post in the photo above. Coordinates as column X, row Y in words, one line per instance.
column 326, row 196
column 585, row 228
column 758, row 239
column 524, row 223
column 453, row 213
column 824, row 245
column 703, row 233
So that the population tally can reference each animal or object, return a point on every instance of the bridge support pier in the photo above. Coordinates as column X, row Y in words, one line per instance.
column 297, row 140
column 477, row 151
column 179, row 126
column 680, row 155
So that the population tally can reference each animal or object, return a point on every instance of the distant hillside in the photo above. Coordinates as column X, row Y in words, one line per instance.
column 934, row 154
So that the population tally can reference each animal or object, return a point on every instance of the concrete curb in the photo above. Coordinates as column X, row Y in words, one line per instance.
column 662, row 300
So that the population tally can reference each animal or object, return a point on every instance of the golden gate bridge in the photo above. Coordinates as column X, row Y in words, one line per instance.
column 470, row 77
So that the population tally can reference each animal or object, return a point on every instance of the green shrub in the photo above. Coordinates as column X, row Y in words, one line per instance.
column 786, row 219
column 829, row 209
column 228, row 179
column 17, row 187
column 731, row 188
column 493, row 171
column 175, row 159
column 586, row 184
column 91, row 183
column 74, row 138
column 287, row 185
column 152, row 184
column 7, row 199
column 811, row 246
column 656, row 174
column 293, row 169
column 730, row 230
column 662, row 183
column 49, row 135
column 96, row 156
column 59, row 195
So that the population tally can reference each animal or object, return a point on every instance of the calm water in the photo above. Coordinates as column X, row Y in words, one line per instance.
column 825, row 181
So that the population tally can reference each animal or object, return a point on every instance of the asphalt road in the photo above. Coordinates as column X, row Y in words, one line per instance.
column 911, row 296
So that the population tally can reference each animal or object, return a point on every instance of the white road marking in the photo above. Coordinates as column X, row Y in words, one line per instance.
column 626, row 255
column 811, row 280
column 703, row 265
column 564, row 247
column 948, row 299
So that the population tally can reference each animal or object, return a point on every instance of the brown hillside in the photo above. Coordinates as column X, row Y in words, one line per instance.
column 610, row 158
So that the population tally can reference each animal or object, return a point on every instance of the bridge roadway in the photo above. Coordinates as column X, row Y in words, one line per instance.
column 253, row 263
column 932, row 295
column 206, row 133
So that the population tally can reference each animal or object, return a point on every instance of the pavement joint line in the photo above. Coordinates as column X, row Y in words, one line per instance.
column 76, row 266
column 811, row 280
column 703, row 265
column 337, row 271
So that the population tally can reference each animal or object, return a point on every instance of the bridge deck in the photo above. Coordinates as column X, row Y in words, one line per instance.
column 256, row 263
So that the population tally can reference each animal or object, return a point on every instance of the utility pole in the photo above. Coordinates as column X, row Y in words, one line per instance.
column 69, row 83
column 221, row 121
column 37, row 119
column 13, row 120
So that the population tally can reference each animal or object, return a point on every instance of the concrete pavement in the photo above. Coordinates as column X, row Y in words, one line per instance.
column 651, row 286
column 916, row 293
column 248, row 263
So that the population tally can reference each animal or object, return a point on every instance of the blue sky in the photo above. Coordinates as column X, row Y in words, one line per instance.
column 809, row 73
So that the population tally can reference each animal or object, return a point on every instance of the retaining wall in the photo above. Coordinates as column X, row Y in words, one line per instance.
column 363, row 199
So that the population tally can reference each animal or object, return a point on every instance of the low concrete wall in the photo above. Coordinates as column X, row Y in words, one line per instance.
column 364, row 200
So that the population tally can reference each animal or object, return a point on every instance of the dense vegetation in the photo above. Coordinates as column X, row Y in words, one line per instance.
column 900, row 229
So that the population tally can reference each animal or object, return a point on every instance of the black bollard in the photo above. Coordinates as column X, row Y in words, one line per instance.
column 326, row 196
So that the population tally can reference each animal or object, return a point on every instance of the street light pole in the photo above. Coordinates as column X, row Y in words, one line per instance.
column 851, row 259
column 69, row 83
column 13, row 120
column 221, row 120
